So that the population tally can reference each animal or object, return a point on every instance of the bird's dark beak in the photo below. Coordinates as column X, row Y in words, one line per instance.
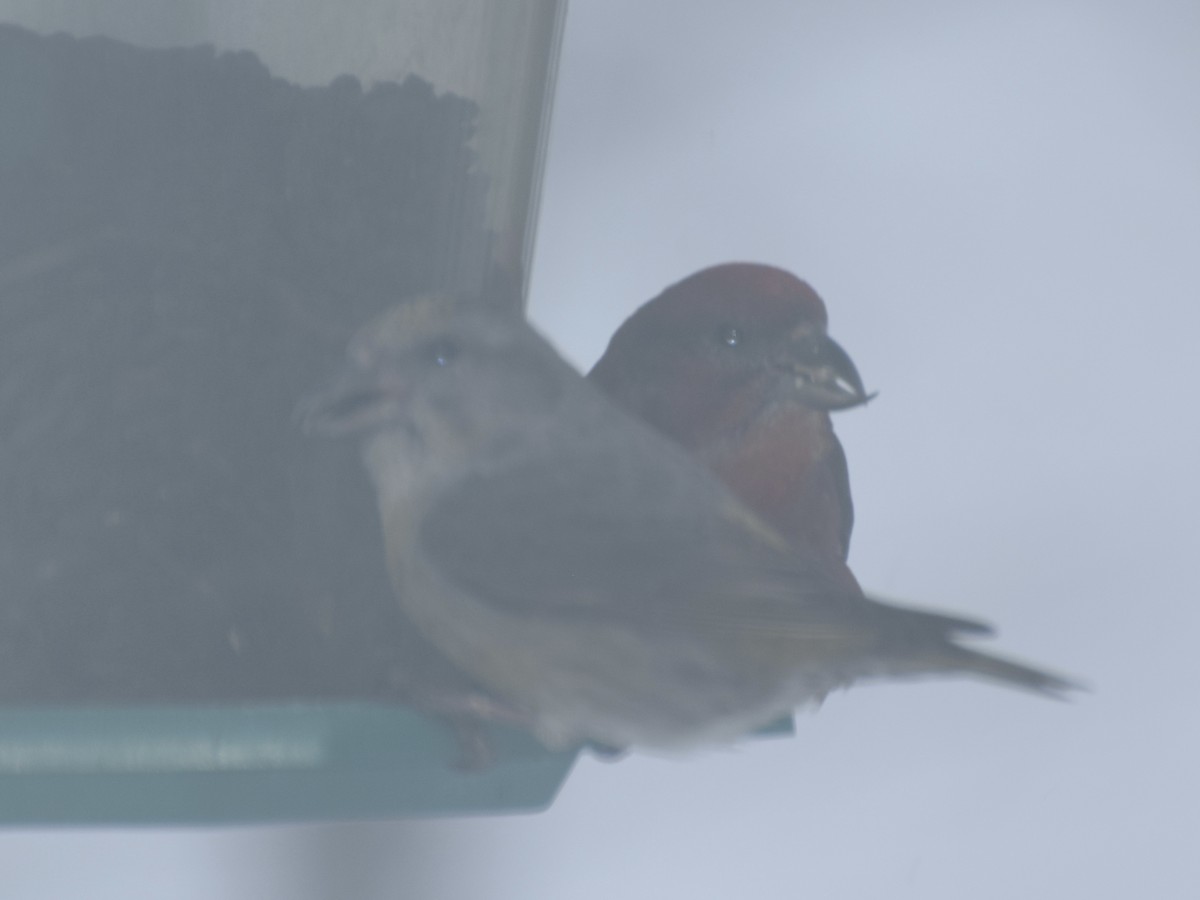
column 355, row 402
column 826, row 376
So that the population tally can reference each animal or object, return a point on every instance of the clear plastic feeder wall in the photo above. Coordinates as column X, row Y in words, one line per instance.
column 200, row 202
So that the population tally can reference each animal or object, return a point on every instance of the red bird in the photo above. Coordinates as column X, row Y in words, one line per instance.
column 735, row 364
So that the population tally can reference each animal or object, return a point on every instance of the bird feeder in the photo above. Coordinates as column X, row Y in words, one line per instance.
column 200, row 201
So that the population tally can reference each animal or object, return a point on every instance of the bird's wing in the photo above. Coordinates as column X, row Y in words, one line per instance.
column 541, row 540
column 841, row 484
column 667, row 548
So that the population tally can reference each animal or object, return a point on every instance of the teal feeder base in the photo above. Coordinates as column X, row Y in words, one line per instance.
column 256, row 764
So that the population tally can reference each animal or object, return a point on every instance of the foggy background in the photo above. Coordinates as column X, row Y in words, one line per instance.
column 1001, row 206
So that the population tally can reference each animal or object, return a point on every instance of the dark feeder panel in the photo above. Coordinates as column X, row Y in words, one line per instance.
column 187, row 242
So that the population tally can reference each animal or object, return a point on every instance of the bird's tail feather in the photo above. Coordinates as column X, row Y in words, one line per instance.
column 955, row 658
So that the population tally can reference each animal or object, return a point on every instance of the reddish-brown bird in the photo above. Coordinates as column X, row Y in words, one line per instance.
column 735, row 364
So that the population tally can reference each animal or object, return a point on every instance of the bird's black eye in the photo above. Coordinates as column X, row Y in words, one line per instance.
column 442, row 352
column 730, row 335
